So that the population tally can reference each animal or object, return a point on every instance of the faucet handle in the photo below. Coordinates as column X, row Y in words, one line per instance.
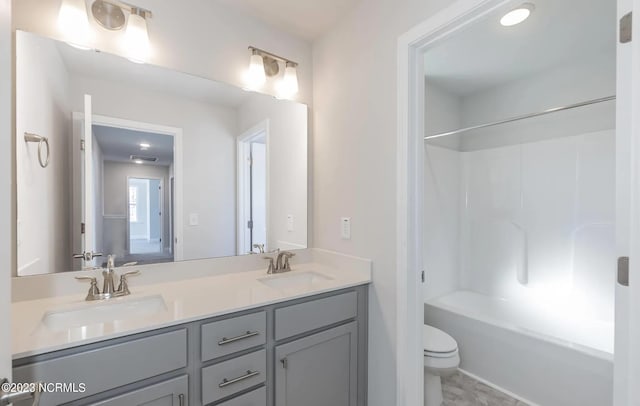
column 93, row 289
column 287, row 256
column 271, row 267
column 123, row 287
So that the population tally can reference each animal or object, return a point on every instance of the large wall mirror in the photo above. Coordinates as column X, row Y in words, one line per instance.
column 148, row 164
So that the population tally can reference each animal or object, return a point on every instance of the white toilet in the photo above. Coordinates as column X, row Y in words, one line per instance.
column 441, row 358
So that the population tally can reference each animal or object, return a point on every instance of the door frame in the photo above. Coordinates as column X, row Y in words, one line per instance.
column 243, row 146
column 162, row 212
column 176, row 133
column 409, row 190
column 8, row 246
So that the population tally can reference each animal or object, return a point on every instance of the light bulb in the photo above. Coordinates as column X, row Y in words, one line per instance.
column 136, row 38
column 73, row 23
column 255, row 76
column 288, row 86
column 517, row 15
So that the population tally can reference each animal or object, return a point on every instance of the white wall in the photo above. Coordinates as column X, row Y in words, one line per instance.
column 42, row 107
column 208, row 156
column 287, row 166
column 6, row 177
column 568, row 83
column 354, row 158
column 201, row 37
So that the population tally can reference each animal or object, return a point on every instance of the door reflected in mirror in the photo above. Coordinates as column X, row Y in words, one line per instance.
column 149, row 164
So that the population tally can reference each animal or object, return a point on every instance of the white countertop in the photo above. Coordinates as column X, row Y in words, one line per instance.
column 185, row 301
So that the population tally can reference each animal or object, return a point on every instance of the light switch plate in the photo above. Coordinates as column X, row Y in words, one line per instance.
column 345, row 228
column 289, row 222
column 193, row 219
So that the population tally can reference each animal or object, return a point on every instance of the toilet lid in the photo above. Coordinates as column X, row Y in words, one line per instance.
column 437, row 341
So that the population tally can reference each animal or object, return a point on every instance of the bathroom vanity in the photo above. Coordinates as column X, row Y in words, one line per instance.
column 302, row 340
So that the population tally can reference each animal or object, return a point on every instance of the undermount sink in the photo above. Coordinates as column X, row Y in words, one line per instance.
column 294, row 279
column 103, row 312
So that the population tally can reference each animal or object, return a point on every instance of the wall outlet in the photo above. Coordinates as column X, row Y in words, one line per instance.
column 289, row 222
column 194, row 219
column 345, row 228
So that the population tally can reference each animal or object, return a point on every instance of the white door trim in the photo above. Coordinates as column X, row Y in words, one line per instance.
column 176, row 133
column 242, row 142
column 8, row 248
column 410, row 157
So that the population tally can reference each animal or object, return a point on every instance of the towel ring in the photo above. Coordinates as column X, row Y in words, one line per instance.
column 28, row 137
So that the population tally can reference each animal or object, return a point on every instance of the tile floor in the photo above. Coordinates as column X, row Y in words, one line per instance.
column 462, row 390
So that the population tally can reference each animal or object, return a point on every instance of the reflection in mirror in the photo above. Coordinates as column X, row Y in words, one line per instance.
column 149, row 164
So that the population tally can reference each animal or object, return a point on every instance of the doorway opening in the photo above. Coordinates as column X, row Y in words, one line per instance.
column 145, row 215
column 470, row 164
column 253, row 190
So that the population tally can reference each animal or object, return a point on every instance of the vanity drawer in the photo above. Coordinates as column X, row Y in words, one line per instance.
column 257, row 397
column 108, row 367
column 303, row 317
column 232, row 335
column 229, row 377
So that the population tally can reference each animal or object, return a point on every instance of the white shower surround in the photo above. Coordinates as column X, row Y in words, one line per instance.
column 542, row 209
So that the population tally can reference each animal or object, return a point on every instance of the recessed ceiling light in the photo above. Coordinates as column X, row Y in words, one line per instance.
column 517, row 15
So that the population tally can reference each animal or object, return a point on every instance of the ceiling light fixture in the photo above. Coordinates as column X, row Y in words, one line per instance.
column 264, row 64
column 73, row 23
column 144, row 145
column 517, row 15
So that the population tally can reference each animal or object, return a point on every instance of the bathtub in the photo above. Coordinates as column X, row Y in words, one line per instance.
column 540, row 357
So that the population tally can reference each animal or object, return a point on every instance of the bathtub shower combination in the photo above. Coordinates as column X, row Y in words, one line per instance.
column 519, row 216
column 519, row 251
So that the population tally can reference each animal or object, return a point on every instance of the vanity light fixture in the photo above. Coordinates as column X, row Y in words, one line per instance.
column 517, row 15
column 288, row 86
column 255, row 76
column 136, row 36
column 111, row 15
column 264, row 64
column 73, row 23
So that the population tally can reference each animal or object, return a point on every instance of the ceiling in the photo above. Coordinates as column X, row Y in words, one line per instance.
column 487, row 54
column 307, row 19
column 119, row 144
column 109, row 67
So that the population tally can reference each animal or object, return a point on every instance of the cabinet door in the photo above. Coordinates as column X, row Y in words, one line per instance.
column 173, row 392
column 318, row 370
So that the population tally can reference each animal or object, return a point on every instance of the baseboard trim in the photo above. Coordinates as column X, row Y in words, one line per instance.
column 496, row 387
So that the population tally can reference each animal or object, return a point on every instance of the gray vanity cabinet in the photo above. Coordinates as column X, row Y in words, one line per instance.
column 318, row 370
column 173, row 392
column 309, row 351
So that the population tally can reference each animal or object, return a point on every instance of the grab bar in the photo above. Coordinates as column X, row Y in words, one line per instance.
column 29, row 137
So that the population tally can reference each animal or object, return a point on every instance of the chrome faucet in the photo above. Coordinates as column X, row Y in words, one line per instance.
column 107, row 275
column 281, row 262
column 108, row 290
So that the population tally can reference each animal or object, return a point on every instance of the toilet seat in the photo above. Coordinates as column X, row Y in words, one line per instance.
column 438, row 344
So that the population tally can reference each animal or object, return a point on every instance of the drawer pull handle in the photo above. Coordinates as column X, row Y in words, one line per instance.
column 227, row 382
column 248, row 334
